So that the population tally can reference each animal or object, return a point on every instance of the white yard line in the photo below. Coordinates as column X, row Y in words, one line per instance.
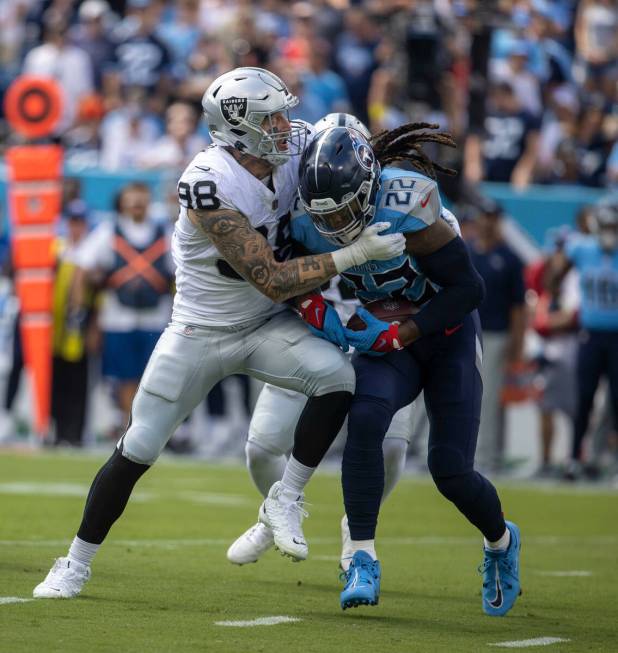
column 577, row 573
column 262, row 621
column 429, row 540
column 49, row 490
column 13, row 599
column 527, row 643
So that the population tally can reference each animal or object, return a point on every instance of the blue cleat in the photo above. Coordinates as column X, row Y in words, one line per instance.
column 500, row 571
column 362, row 582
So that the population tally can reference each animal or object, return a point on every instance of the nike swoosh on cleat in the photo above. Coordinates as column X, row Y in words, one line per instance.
column 298, row 541
column 497, row 602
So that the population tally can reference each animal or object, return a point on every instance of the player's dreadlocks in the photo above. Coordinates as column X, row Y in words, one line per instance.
column 404, row 144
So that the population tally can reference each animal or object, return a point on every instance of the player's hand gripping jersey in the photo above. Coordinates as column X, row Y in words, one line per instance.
column 209, row 291
column 408, row 200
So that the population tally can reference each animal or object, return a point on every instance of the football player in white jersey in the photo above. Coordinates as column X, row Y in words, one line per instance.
column 232, row 248
column 277, row 410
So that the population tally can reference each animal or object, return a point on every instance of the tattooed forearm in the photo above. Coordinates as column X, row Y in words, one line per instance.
column 249, row 253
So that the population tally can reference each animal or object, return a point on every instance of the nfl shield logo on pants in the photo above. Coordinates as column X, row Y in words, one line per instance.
column 233, row 109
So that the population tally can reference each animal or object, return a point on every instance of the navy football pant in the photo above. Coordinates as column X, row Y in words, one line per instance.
column 447, row 369
column 597, row 355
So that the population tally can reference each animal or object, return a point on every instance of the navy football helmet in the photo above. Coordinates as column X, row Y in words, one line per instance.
column 338, row 181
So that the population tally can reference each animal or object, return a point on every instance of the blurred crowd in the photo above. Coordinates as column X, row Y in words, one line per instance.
column 527, row 87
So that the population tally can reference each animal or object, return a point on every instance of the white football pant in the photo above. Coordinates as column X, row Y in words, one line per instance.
column 189, row 360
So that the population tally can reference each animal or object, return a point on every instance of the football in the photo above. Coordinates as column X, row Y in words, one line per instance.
column 388, row 310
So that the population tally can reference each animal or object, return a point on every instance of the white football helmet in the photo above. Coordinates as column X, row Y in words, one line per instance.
column 342, row 120
column 237, row 103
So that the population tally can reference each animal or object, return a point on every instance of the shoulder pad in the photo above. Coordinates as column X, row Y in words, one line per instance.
column 202, row 187
column 416, row 196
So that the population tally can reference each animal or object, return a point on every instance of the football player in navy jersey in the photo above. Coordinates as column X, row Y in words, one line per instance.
column 343, row 188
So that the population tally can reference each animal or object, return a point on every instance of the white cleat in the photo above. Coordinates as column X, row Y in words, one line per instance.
column 64, row 580
column 251, row 545
column 284, row 518
column 346, row 545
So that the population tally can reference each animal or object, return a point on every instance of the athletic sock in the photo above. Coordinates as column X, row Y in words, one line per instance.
column 82, row 552
column 295, row 477
column 499, row 545
column 368, row 546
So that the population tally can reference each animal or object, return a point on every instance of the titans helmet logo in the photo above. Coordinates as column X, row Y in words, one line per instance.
column 233, row 109
column 362, row 150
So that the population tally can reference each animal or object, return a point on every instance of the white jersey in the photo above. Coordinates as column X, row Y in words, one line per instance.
column 208, row 291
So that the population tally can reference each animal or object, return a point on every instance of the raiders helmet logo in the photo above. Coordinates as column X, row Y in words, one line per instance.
column 233, row 109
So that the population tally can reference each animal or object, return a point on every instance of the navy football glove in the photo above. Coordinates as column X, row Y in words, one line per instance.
column 377, row 338
column 323, row 320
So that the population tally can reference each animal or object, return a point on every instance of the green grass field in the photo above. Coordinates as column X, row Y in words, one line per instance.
column 161, row 582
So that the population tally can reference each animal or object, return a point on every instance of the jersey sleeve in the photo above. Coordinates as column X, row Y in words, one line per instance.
column 410, row 203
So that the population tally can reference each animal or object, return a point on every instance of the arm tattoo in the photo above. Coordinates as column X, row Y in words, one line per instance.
column 249, row 253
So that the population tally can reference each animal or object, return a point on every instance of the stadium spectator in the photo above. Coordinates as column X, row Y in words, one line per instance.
column 129, row 258
column 181, row 35
column 70, row 355
column 208, row 60
column 141, row 59
column 69, row 65
column 558, row 125
column 127, row 133
column 92, row 35
column 596, row 25
column 508, row 149
column 514, row 71
column 179, row 144
column 12, row 36
column 588, row 145
column 503, row 322
column 355, row 57
column 322, row 82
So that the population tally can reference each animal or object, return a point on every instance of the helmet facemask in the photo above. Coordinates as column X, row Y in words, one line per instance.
column 278, row 146
column 342, row 224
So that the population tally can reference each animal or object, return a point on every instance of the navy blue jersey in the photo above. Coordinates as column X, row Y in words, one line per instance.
column 505, row 142
column 502, row 272
column 410, row 202
column 141, row 60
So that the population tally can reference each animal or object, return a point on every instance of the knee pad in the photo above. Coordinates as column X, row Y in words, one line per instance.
column 141, row 445
column 257, row 456
column 458, row 489
column 444, row 461
column 368, row 422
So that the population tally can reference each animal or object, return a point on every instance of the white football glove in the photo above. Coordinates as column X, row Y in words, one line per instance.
column 370, row 246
